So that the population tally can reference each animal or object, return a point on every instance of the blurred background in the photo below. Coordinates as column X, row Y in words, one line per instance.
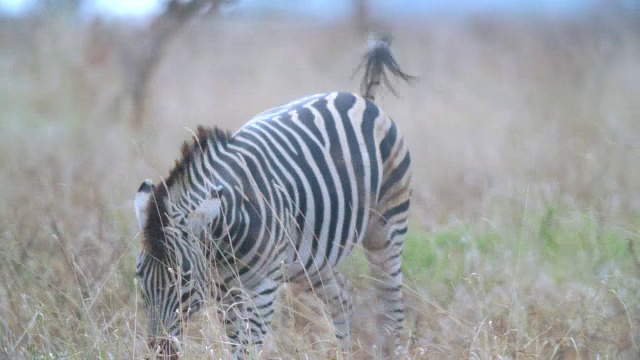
column 509, row 90
column 524, row 127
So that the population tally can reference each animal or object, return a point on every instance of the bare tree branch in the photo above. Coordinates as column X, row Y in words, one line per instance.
column 176, row 15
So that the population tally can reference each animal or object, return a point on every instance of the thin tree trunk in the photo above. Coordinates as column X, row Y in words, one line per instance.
column 162, row 30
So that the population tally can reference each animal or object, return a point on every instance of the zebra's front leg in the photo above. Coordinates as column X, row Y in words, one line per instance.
column 247, row 317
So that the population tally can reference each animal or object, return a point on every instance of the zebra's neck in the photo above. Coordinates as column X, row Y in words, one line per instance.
column 211, row 170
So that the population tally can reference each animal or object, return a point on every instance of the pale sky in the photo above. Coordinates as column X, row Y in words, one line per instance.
column 333, row 7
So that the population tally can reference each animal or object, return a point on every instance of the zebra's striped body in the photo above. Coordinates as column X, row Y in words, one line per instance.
column 286, row 198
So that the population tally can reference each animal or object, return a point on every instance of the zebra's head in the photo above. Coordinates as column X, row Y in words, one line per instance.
column 171, row 267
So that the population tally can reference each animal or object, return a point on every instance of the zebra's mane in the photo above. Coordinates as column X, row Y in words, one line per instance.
column 157, row 218
column 201, row 140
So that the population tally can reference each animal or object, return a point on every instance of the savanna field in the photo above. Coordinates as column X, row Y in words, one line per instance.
column 524, row 239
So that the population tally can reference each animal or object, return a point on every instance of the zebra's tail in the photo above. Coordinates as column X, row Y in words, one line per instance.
column 378, row 59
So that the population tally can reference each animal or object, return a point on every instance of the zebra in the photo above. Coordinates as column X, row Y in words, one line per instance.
column 283, row 200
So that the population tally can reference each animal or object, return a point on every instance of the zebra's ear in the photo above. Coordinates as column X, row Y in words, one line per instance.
column 206, row 212
column 142, row 201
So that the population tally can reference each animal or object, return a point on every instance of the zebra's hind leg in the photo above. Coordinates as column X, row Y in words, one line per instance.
column 247, row 317
column 383, row 246
column 331, row 287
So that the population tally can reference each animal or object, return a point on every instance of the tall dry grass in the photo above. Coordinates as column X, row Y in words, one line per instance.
column 526, row 148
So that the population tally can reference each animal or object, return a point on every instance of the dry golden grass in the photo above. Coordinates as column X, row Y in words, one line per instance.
column 526, row 147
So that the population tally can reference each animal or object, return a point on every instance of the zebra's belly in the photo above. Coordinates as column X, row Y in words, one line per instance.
column 311, row 255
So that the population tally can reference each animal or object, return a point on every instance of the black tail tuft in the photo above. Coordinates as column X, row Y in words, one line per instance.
column 376, row 60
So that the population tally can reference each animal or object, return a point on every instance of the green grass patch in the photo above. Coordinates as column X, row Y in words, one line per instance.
column 438, row 260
